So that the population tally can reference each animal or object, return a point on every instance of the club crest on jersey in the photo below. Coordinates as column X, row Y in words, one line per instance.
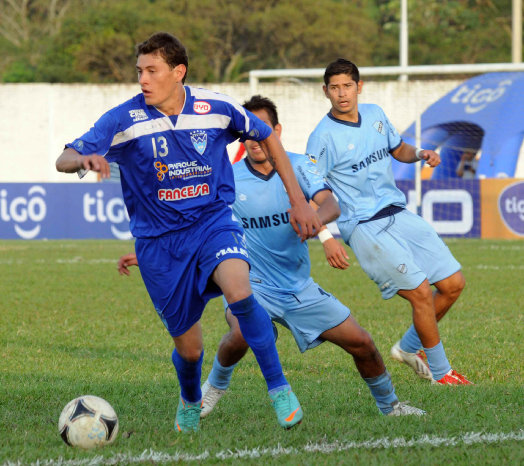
column 311, row 158
column 138, row 114
column 379, row 126
column 201, row 107
column 199, row 140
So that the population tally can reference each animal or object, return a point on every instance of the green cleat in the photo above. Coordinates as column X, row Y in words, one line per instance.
column 287, row 407
column 187, row 416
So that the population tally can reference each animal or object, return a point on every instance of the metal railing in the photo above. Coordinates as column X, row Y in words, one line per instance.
column 419, row 70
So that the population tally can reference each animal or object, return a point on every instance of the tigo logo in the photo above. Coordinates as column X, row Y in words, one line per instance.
column 201, row 107
column 511, row 207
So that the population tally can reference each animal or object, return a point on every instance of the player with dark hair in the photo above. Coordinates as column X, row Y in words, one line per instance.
column 170, row 144
column 280, row 273
column 352, row 147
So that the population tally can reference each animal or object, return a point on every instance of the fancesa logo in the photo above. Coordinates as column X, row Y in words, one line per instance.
column 98, row 209
column 478, row 97
column 511, row 207
column 22, row 210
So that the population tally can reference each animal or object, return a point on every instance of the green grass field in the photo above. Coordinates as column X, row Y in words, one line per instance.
column 70, row 325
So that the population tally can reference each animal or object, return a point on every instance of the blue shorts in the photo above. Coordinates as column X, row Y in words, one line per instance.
column 307, row 314
column 177, row 267
column 400, row 251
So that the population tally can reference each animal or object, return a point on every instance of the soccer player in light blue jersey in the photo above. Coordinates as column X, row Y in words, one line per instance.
column 352, row 148
column 280, row 273
column 170, row 144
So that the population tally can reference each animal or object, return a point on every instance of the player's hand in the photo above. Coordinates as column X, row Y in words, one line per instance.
column 126, row 261
column 304, row 220
column 96, row 163
column 336, row 254
column 431, row 157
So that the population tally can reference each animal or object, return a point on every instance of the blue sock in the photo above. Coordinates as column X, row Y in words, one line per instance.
column 189, row 374
column 437, row 360
column 383, row 391
column 220, row 376
column 257, row 330
column 410, row 342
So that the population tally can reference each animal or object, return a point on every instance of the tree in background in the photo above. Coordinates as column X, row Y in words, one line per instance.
column 93, row 40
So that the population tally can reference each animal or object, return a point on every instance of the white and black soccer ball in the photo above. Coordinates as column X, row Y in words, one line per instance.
column 88, row 422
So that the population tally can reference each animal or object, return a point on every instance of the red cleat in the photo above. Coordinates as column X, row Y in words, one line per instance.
column 453, row 378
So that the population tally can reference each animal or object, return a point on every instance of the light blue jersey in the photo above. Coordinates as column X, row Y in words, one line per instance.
column 175, row 170
column 355, row 159
column 279, row 259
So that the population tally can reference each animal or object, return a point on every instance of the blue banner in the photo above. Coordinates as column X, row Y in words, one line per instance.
column 97, row 210
column 451, row 206
column 63, row 211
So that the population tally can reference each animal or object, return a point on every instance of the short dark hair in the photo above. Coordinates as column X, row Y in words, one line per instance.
column 168, row 47
column 341, row 66
column 257, row 102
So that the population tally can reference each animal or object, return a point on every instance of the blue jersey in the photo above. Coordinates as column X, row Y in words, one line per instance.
column 278, row 258
column 174, row 169
column 355, row 159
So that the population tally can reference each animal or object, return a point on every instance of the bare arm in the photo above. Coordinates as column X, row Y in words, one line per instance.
column 70, row 161
column 329, row 210
column 303, row 218
column 408, row 154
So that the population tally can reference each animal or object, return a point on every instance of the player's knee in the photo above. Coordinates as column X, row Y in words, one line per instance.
column 190, row 354
column 453, row 286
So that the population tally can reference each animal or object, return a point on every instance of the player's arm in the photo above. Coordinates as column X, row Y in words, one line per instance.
column 125, row 262
column 70, row 161
column 410, row 154
column 302, row 217
column 329, row 210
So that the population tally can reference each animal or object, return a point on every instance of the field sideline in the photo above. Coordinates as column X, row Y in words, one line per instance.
column 70, row 325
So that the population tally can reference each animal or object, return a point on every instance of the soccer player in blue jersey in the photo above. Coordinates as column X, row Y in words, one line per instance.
column 352, row 148
column 280, row 273
column 170, row 144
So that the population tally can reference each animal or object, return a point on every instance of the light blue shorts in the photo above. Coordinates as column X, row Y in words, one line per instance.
column 399, row 252
column 306, row 314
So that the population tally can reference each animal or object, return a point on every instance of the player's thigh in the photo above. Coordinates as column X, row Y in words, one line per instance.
column 385, row 256
column 349, row 334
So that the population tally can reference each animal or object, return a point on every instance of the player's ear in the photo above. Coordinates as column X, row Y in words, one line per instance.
column 325, row 89
column 181, row 71
column 360, row 84
column 278, row 129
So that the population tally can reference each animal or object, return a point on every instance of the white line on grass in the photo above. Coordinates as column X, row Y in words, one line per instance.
column 148, row 456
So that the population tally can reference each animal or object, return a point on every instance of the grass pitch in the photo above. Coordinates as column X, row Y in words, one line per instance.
column 70, row 325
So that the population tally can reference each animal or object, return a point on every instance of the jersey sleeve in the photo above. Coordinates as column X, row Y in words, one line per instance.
column 320, row 154
column 310, row 181
column 250, row 126
column 394, row 139
column 98, row 139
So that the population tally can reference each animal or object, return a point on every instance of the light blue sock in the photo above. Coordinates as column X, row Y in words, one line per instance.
column 189, row 374
column 220, row 376
column 437, row 360
column 410, row 342
column 383, row 391
column 257, row 330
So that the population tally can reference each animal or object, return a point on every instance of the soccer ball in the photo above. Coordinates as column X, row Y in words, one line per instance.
column 88, row 422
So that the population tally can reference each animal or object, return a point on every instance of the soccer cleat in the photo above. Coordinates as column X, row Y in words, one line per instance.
column 417, row 361
column 403, row 409
column 210, row 397
column 187, row 416
column 453, row 378
column 287, row 407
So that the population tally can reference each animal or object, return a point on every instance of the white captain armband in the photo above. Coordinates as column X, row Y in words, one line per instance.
column 418, row 153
